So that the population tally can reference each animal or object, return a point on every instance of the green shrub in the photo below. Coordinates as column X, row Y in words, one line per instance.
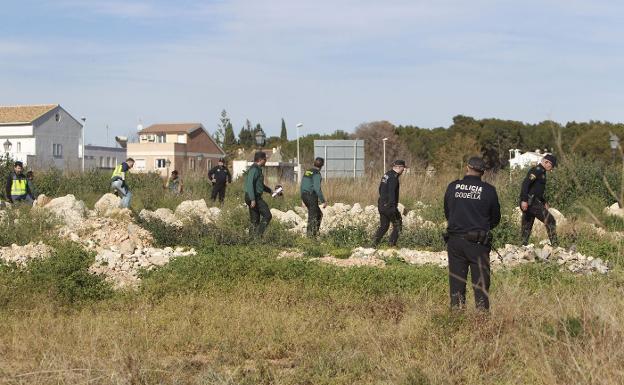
column 21, row 225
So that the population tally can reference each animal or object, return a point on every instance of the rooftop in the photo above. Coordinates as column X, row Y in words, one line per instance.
column 171, row 128
column 24, row 114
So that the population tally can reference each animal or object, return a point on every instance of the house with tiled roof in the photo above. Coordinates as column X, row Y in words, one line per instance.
column 41, row 136
column 165, row 147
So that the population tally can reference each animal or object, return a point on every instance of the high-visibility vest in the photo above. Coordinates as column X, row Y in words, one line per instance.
column 18, row 187
column 118, row 172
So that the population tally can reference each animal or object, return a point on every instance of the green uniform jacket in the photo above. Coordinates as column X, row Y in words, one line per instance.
column 311, row 182
column 254, row 183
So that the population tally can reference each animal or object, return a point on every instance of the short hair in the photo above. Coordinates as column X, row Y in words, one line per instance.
column 174, row 172
column 18, row 163
column 30, row 173
column 130, row 160
column 319, row 162
column 259, row 155
column 222, row 160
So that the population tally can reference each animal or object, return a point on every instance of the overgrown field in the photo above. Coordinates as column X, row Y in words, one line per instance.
column 234, row 314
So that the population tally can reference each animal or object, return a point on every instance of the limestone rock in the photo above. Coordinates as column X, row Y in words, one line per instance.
column 106, row 204
column 69, row 209
column 615, row 210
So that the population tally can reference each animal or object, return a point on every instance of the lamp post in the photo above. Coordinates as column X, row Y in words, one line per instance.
column 260, row 138
column 7, row 148
column 199, row 158
column 384, row 140
column 614, row 142
column 84, row 122
column 299, row 125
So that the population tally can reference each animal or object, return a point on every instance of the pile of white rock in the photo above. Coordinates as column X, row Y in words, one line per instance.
column 21, row 255
column 184, row 213
column 340, row 215
column 123, row 269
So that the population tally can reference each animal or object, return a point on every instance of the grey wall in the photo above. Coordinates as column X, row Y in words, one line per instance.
column 67, row 132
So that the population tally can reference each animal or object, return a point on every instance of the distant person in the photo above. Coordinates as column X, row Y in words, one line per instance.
column 259, row 212
column 472, row 210
column 219, row 176
column 30, row 181
column 388, row 204
column 118, row 182
column 311, row 194
column 174, row 183
column 532, row 201
column 17, row 190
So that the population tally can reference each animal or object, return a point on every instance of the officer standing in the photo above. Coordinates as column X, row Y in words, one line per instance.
column 118, row 182
column 387, row 204
column 259, row 212
column 311, row 194
column 174, row 184
column 220, row 176
column 532, row 202
column 472, row 210
column 17, row 189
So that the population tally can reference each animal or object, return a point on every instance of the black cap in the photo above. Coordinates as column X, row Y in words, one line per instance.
column 222, row 160
column 399, row 162
column 476, row 164
column 552, row 159
column 259, row 155
column 18, row 163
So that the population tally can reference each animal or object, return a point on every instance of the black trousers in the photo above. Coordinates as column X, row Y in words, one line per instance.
column 387, row 216
column 315, row 215
column 539, row 211
column 259, row 217
column 464, row 255
column 218, row 190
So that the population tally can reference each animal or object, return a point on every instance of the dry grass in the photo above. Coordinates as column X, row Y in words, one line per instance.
column 567, row 332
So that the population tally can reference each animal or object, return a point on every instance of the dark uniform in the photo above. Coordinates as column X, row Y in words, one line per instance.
column 311, row 193
column 472, row 209
column 17, row 189
column 532, row 192
column 222, row 176
column 387, row 205
column 260, row 215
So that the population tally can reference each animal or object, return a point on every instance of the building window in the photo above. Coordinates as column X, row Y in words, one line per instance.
column 109, row 162
column 57, row 150
column 161, row 138
column 191, row 163
column 161, row 163
column 19, row 147
column 57, row 117
column 101, row 161
column 139, row 164
column 181, row 138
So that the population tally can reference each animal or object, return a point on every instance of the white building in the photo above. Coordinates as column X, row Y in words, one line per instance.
column 41, row 136
column 523, row 160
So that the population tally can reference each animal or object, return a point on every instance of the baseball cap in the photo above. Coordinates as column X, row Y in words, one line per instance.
column 399, row 162
column 552, row 159
column 476, row 164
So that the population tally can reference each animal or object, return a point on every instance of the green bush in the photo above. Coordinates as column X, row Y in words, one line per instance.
column 21, row 225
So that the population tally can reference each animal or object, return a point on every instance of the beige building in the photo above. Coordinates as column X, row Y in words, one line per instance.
column 185, row 147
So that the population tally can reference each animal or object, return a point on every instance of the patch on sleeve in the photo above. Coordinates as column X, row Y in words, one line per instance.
column 532, row 176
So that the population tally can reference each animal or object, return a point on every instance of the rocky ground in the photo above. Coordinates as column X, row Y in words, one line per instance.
column 123, row 248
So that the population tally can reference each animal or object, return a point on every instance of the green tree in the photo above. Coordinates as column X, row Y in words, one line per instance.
column 284, row 132
column 246, row 135
column 230, row 138
column 224, row 120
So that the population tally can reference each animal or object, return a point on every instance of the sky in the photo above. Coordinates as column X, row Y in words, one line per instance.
column 330, row 64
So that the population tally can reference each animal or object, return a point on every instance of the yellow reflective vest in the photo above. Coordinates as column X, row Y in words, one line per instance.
column 118, row 172
column 18, row 187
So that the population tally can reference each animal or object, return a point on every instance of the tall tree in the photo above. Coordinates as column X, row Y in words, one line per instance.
column 224, row 120
column 284, row 133
column 229, row 139
column 246, row 135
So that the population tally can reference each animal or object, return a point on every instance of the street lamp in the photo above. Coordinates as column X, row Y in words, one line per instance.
column 614, row 142
column 7, row 148
column 299, row 125
column 84, row 122
column 199, row 158
column 384, row 140
column 260, row 138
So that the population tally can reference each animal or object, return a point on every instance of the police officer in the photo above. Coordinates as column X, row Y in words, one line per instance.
column 387, row 204
column 259, row 212
column 17, row 189
column 532, row 202
column 118, row 182
column 472, row 210
column 174, row 184
column 311, row 194
column 220, row 176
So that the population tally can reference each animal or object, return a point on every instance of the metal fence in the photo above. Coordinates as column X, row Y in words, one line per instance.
column 343, row 158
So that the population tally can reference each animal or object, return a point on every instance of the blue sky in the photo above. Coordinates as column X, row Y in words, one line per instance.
column 331, row 64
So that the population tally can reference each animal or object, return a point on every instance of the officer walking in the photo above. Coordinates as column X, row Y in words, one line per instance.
column 220, row 176
column 118, row 182
column 259, row 212
column 387, row 204
column 472, row 210
column 532, row 202
column 311, row 194
column 17, row 189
